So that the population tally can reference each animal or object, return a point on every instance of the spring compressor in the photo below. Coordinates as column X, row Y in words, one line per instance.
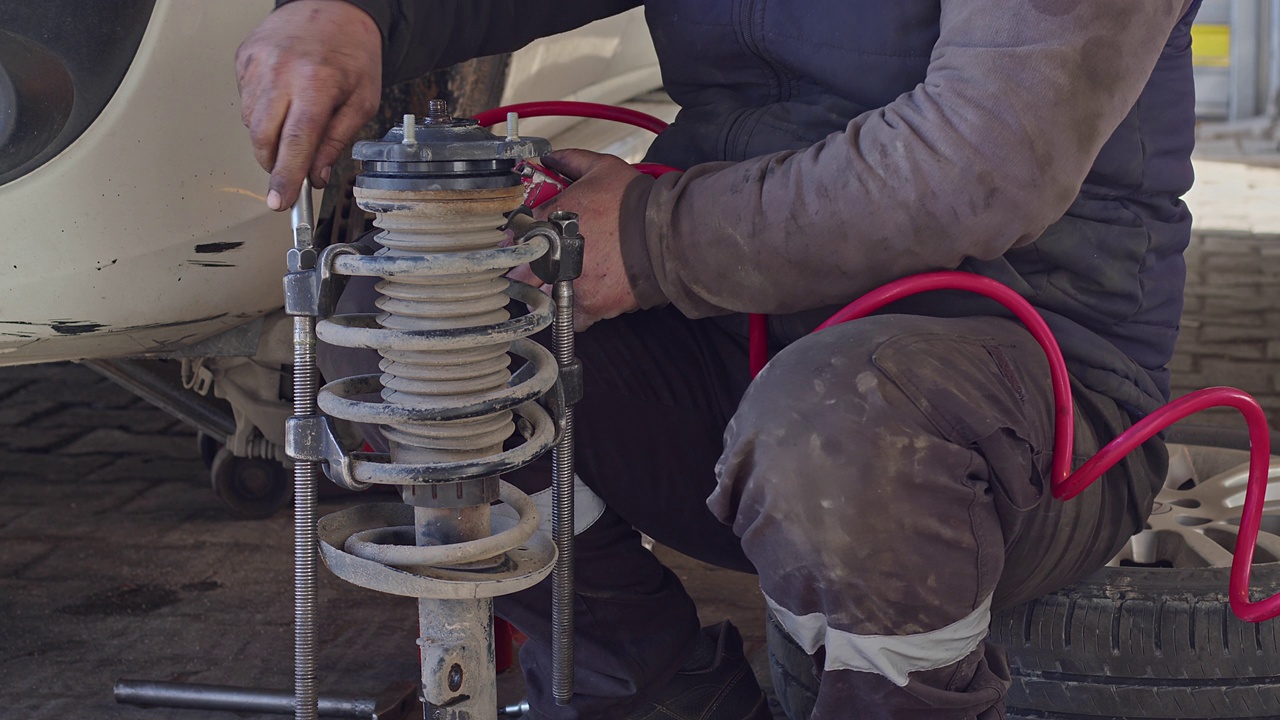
column 442, row 191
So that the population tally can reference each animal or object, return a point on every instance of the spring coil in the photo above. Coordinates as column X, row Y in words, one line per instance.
column 444, row 335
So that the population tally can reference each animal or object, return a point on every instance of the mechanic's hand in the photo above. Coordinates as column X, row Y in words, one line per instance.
column 603, row 291
column 310, row 76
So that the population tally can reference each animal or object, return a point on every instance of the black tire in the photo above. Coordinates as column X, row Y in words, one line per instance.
column 1149, row 642
column 250, row 488
column 1143, row 643
column 1125, row 643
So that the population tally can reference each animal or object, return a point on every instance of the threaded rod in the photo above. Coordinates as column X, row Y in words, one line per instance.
column 305, row 385
column 562, row 511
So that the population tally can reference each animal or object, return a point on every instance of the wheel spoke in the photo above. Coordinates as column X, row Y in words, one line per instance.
column 1206, row 549
column 1145, row 547
column 1197, row 524
column 1227, row 489
column 1181, row 469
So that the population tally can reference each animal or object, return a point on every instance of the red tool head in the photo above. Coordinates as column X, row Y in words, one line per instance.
column 540, row 184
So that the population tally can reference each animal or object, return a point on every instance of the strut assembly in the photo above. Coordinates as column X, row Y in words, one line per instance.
column 444, row 193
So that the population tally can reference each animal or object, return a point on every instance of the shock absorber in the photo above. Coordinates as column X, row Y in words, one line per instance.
column 443, row 192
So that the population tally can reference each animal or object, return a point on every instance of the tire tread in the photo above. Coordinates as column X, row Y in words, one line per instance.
column 1118, row 645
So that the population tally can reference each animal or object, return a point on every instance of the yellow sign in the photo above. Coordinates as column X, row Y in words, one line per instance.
column 1211, row 45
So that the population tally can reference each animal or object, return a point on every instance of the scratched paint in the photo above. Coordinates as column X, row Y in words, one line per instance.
column 74, row 327
column 216, row 247
column 80, row 327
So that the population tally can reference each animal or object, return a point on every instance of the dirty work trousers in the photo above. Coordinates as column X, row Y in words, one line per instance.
column 886, row 478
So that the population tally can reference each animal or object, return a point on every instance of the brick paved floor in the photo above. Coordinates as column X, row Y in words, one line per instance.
column 116, row 560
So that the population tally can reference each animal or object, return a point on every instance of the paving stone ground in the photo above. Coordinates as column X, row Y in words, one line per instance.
column 117, row 561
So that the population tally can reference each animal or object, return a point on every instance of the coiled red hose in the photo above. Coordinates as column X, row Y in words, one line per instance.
column 1063, row 483
column 1066, row 484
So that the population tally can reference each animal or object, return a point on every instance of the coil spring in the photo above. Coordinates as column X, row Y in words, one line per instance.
column 444, row 335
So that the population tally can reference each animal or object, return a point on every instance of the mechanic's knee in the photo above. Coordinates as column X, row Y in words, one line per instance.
column 821, row 419
column 830, row 470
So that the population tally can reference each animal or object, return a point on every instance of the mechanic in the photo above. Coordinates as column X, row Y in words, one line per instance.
column 886, row 478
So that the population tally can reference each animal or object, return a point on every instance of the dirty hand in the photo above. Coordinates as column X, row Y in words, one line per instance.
column 603, row 291
column 310, row 76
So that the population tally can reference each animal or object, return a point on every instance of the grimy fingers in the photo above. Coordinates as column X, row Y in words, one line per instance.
column 304, row 124
column 308, row 77
column 352, row 116
column 574, row 163
column 264, row 119
column 261, row 110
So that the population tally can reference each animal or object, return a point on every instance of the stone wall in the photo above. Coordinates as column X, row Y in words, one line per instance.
column 1231, row 323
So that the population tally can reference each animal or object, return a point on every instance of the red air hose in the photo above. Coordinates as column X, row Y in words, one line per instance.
column 1064, row 484
column 569, row 108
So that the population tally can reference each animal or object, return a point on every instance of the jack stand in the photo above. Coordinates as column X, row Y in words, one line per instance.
column 442, row 190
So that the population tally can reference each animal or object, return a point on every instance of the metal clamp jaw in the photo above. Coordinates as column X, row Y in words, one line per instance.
column 564, row 260
column 311, row 288
column 560, row 266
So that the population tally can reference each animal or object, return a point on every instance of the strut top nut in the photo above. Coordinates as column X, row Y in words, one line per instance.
column 437, row 113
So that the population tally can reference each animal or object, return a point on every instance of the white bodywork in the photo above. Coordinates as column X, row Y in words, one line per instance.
column 150, row 232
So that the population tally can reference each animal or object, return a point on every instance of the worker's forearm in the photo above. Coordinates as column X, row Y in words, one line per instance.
column 421, row 35
column 983, row 156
